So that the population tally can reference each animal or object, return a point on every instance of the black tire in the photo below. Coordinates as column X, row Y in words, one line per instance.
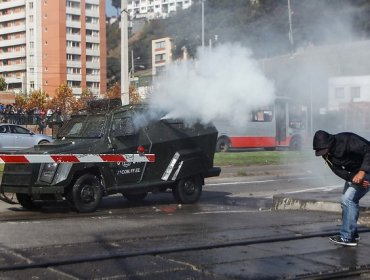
column 188, row 190
column 86, row 194
column 26, row 201
column 43, row 142
column 223, row 145
column 135, row 197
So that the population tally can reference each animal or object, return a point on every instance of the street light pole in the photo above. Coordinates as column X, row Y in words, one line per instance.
column 290, row 24
column 202, row 25
column 125, row 98
column 132, row 64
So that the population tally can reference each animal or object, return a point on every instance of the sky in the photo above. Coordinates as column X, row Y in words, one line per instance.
column 111, row 11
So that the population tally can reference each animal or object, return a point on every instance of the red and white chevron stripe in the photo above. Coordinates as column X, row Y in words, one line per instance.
column 75, row 158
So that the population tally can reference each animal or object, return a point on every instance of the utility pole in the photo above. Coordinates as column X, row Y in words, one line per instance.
column 202, row 25
column 290, row 24
column 125, row 97
column 132, row 64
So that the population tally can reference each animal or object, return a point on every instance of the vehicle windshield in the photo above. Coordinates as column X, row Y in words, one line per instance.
column 83, row 127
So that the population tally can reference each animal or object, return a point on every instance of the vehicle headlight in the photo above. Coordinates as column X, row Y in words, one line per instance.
column 48, row 171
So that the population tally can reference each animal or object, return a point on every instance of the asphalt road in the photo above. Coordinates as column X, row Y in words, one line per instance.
column 158, row 239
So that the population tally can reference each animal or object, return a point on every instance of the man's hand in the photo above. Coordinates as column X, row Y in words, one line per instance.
column 359, row 177
column 365, row 184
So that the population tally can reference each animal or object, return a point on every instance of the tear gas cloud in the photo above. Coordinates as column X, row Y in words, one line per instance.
column 225, row 82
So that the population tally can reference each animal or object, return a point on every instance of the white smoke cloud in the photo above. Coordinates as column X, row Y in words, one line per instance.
column 226, row 82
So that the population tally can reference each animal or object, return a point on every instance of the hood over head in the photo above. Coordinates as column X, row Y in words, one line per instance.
column 322, row 142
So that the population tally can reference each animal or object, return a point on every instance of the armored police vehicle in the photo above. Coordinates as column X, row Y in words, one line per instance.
column 183, row 158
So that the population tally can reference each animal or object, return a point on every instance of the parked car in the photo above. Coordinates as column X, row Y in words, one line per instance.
column 15, row 137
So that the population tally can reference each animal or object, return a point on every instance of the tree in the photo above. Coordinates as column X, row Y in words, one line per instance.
column 82, row 103
column 114, row 92
column 3, row 84
column 134, row 95
column 21, row 100
column 37, row 99
column 64, row 100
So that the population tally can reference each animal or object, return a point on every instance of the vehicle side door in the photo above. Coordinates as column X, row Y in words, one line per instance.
column 23, row 137
column 6, row 139
column 125, row 140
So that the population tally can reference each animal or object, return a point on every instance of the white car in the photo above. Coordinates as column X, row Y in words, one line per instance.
column 15, row 137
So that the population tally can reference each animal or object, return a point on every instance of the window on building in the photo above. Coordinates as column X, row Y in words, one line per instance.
column 92, row 58
column 92, row 46
column 160, row 57
column 73, row 57
column 73, row 70
column 73, row 4
column 339, row 93
column 355, row 92
column 159, row 69
column 94, row 85
column 94, row 20
column 71, row 17
column 73, row 44
column 74, row 84
column 92, row 7
column 92, row 33
column 160, row 45
column 90, row 71
column 73, row 31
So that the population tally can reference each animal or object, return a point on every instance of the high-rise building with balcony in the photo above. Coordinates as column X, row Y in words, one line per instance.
column 44, row 43
column 156, row 8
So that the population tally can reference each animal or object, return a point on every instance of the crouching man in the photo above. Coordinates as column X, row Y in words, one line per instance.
column 348, row 156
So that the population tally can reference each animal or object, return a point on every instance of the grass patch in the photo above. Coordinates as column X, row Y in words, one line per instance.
column 261, row 158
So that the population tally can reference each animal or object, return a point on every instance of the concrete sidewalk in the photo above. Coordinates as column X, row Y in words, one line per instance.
column 315, row 200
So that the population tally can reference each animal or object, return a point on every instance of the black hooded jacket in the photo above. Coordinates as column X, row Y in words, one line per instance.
column 348, row 152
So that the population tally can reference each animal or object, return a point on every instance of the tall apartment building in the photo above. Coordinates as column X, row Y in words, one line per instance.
column 156, row 8
column 44, row 43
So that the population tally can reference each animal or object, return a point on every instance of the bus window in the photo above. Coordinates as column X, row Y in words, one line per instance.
column 261, row 116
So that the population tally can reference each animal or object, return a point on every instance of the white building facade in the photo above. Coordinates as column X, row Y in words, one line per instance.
column 151, row 9
column 13, row 39
column 161, row 54
column 346, row 90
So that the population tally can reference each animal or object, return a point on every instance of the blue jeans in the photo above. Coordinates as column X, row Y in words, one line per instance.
column 351, row 208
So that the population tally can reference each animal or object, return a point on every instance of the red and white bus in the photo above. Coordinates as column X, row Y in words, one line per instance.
column 278, row 125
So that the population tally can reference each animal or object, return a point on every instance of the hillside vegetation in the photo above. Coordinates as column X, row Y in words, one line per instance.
column 261, row 25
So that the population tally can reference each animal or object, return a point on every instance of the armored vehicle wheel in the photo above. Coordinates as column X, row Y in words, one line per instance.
column 135, row 197
column 86, row 193
column 188, row 190
column 26, row 201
